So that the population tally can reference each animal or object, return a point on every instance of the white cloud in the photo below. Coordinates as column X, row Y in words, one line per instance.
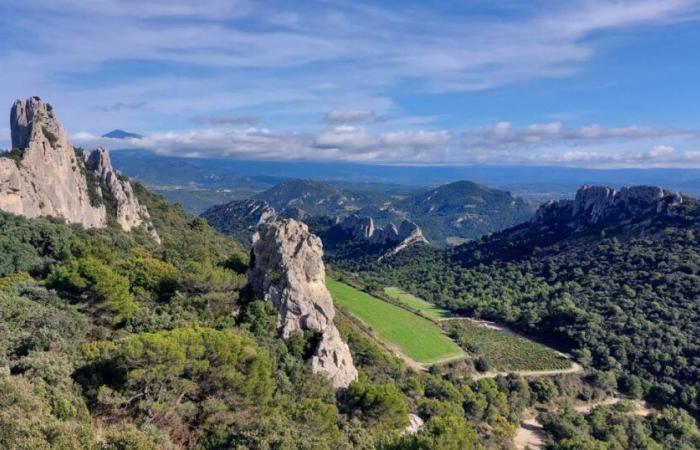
column 536, row 144
column 260, row 53
column 156, row 64
column 503, row 135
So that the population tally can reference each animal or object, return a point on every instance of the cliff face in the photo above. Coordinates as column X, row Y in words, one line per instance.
column 287, row 269
column 47, row 177
column 363, row 229
column 598, row 205
column 43, row 175
column 130, row 213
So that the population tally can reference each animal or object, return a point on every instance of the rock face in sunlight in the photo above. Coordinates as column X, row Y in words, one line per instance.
column 130, row 213
column 287, row 269
column 394, row 239
column 43, row 175
column 598, row 205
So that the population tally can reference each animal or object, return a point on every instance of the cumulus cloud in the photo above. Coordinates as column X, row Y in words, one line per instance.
column 536, row 144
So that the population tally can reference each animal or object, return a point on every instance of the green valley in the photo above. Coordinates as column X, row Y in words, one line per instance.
column 416, row 303
column 415, row 336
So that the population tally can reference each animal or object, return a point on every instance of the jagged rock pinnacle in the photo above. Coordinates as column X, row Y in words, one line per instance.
column 46, row 176
column 287, row 269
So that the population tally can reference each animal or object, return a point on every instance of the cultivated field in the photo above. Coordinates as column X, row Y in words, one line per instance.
column 415, row 336
column 418, row 304
column 503, row 350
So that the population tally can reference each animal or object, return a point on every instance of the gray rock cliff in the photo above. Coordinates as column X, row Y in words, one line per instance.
column 130, row 213
column 597, row 205
column 287, row 269
column 44, row 175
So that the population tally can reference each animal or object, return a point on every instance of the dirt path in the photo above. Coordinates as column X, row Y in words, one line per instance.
column 530, row 433
column 575, row 368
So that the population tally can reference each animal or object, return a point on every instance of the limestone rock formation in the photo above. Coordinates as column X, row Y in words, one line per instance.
column 387, row 235
column 409, row 233
column 358, row 227
column 415, row 424
column 363, row 229
column 46, row 178
column 287, row 269
column 130, row 213
column 599, row 206
column 44, row 175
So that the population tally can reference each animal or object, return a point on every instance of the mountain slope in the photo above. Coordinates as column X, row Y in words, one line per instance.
column 448, row 214
column 302, row 198
column 464, row 210
column 613, row 276
column 239, row 218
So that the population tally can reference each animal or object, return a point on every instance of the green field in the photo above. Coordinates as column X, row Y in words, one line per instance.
column 503, row 350
column 418, row 304
column 416, row 337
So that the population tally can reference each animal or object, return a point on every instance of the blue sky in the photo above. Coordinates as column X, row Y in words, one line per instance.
column 578, row 83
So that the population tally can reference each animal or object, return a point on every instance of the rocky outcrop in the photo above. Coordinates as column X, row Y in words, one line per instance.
column 240, row 218
column 287, row 269
column 363, row 229
column 130, row 213
column 360, row 228
column 415, row 424
column 387, row 235
column 44, row 175
column 596, row 206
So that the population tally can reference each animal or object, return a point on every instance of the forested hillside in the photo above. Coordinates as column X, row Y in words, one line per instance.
column 113, row 341
column 623, row 296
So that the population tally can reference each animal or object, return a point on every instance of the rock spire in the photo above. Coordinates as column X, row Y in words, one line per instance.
column 287, row 269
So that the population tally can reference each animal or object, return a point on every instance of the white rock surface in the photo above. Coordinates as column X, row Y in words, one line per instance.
column 415, row 423
column 50, row 178
column 287, row 269
column 130, row 213
column 49, row 181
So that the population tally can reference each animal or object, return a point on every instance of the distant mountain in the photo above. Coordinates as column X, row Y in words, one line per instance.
column 304, row 198
column 121, row 134
column 447, row 215
column 463, row 210
column 533, row 182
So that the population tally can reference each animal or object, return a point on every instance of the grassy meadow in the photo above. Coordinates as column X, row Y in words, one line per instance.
column 415, row 303
column 417, row 337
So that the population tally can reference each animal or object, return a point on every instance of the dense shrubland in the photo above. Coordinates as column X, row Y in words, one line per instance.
column 111, row 341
